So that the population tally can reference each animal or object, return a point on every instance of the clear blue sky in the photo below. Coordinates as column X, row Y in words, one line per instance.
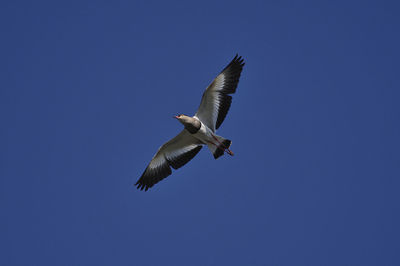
column 88, row 90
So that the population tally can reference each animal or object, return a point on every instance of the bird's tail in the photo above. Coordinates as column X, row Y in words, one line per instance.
column 219, row 146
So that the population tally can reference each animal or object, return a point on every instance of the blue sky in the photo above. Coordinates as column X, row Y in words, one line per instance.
column 88, row 90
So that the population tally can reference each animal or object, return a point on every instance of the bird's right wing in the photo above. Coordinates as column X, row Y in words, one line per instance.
column 176, row 153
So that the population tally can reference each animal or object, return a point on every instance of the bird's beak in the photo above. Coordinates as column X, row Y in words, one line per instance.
column 176, row 116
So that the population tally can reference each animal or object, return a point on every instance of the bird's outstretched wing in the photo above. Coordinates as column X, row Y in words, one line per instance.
column 176, row 153
column 216, row 100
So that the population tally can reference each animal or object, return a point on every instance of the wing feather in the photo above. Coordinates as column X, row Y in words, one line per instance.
column 176, row 153
column 216, row 100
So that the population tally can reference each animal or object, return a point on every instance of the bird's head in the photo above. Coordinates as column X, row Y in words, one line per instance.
column 188, row 122
column 181, row 118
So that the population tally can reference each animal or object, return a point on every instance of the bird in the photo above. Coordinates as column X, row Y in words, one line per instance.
column 199, row 130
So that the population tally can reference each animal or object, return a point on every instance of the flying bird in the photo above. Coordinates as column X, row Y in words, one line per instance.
column 198, row 130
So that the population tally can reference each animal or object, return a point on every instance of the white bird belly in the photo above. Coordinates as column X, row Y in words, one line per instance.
column 204, row 134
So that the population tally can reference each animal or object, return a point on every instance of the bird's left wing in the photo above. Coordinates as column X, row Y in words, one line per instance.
column 216, row 100
column 176, row 153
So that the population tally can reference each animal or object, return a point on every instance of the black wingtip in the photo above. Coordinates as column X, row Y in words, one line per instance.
column 236, row 64
column 239, row 59
column 140, row 186
column 150, row 177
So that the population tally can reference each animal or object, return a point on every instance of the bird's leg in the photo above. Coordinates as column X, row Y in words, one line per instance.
column 226, row 149
column 221, row 148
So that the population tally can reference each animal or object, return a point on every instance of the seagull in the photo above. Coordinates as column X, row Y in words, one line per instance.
column 198, row 130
